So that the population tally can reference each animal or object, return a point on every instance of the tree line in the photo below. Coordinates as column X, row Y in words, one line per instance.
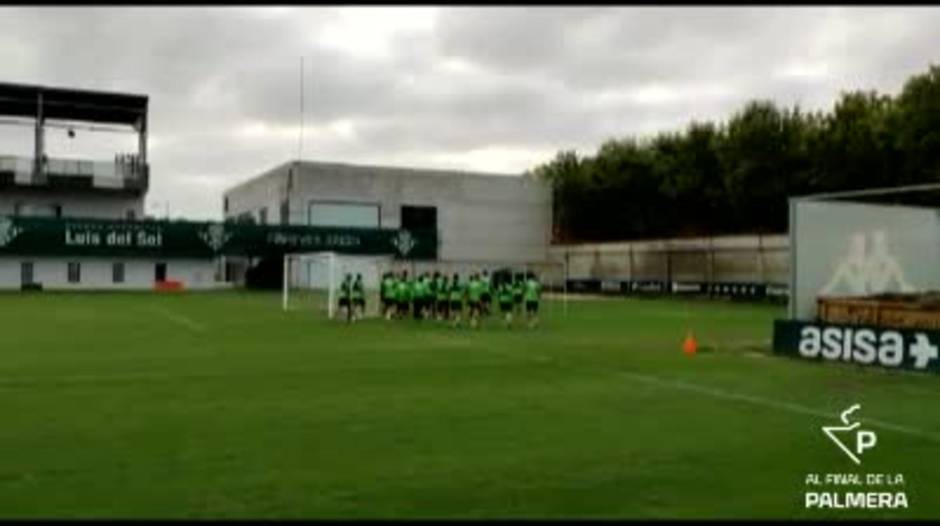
column 735, row 176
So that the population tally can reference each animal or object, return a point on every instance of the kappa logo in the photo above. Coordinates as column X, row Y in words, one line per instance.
column 868, row 268
column 863, row 439
column 8, row 231
column 215, row 236
column 404, row 242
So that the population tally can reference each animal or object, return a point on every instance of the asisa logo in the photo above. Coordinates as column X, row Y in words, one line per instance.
column 866, row 346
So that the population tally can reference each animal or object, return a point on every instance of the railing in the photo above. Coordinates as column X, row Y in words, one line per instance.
column 123, row 172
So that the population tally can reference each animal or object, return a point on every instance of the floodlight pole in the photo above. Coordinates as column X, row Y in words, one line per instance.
column 300, row 145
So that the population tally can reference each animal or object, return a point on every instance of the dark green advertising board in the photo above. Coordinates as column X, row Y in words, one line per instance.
column 911, row 349
column 187, row 239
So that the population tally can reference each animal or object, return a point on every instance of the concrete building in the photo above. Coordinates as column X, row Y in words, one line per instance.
column 49, row 205
column 478, row 217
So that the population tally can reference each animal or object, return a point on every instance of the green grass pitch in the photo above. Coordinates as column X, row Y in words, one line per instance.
column 221, row 405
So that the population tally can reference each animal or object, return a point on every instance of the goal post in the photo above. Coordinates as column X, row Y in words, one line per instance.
column 311, row 281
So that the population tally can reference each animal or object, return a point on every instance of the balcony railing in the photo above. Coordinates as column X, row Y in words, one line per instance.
column 125, row 172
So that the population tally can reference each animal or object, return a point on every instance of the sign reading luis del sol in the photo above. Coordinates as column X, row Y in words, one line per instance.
column 911, row 349
column 187, row 239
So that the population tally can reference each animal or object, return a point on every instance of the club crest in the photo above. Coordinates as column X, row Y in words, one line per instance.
column 8, row 231
column 215, row 236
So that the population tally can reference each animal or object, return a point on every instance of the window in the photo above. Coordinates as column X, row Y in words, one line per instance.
column 159, row 272
column 130, row 215
column 263, row 216
column 18, row 208
column 225, row 204
column 26, row 273
column 324, row 213
column 418, row 217
column 57, row 210
column 75, row 272
column 117, row 273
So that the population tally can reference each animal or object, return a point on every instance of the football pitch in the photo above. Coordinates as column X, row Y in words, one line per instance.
column 221, row 405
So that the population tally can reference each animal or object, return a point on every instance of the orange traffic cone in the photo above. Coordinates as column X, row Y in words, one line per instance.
column 689, row 346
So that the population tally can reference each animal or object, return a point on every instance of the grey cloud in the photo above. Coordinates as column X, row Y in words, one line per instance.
column 540, row 79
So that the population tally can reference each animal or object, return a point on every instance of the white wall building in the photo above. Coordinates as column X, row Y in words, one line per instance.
column 478, row 217
column 79, row 194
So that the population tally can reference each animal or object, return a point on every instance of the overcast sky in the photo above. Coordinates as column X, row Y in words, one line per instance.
column 487, row 89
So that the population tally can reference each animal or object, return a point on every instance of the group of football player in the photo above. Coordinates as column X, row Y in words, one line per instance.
column 435, row 296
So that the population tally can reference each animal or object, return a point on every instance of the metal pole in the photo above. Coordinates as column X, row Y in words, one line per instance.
column 284, row 279
column 791, row 293
column 564, row 294
column 300, row 145
column 142, row 140
column 39, row 145
column 329, row 307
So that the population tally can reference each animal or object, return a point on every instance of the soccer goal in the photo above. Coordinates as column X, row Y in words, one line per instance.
column 312, row 281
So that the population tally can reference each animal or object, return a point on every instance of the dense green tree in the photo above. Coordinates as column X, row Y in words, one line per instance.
column 735, row 177
column 918, row 132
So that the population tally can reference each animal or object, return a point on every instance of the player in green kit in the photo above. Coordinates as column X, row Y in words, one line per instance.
column 517, row 294
column 429, row 297
column 456, row 300
column 504, row 298
column 404, row 294
column 358, row 299
column 388, row 295
column 443, row 296
column 416, row 297
column 474, row 302
column 532, row 295
column 486, row 296
column 429, row 288
column 425, row 295
column 345, row 297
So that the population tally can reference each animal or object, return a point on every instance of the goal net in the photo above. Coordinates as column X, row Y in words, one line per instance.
column 312, row 281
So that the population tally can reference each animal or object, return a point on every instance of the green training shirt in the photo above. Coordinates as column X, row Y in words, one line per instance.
column 393, row 289
column 404, row 290
column 421, row 288
column 357, row 290
column 533, row 290
column 456, row 291
column 442, row 290
column 517, row 289
column 504, row 293
column 487, row 285
column 387, row 287
column 474, row 290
